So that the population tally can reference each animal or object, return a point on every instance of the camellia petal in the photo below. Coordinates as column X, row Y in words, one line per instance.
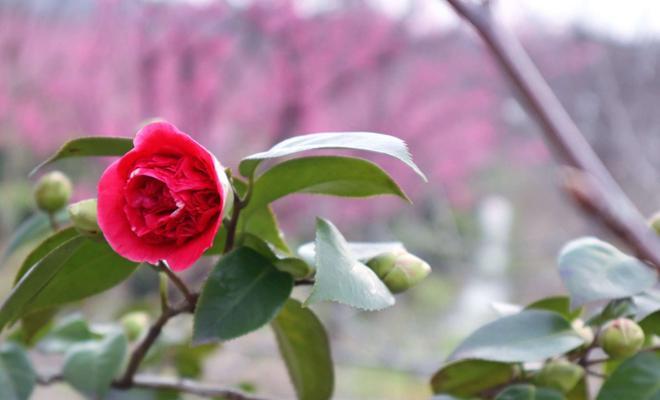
column 164, row 199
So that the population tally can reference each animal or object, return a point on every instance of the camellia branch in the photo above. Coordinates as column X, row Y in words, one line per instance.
column 127, row 380
column 174, row 278
column 606, row 200
column 178, row 385
column 233, row 224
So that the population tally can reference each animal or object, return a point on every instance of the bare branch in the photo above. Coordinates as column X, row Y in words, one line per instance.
column 606, row 199
column 127, row 380
column 191, row 387
column 164, row 383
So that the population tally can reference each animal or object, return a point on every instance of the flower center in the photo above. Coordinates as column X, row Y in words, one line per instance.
column 170, row 199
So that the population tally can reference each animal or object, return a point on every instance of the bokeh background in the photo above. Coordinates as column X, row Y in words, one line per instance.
column 242, row 75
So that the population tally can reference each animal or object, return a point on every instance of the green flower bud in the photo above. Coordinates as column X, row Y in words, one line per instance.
column 399, row 270
column 561, row 375
column 621, row 338
column 83, row 217
column 53, row 191
column 135, row 324
column 585, row 332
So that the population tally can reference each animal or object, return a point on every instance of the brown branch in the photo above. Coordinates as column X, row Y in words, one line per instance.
column 127, row 379
column 174, row 278
column 164, row 383
column 608, row 201
column 191, row 387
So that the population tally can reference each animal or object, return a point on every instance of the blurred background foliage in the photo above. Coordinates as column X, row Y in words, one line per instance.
column 242, row 75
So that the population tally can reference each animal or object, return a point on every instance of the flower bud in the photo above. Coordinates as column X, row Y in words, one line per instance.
column 561, row 375
column 53, row 191
column 585, row 332
column 135, row 323
column 399, row 270
column 83, row 217
column 621, row 338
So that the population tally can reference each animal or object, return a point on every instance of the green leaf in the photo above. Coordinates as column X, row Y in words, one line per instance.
column 33, row 228
column 45, row 247
column 89, row 147
column 36, row 324
column 305, row 348
column 340, row 277
column 647, row 303
column 244, row 292
column 66, row 333
column 528, row 392
column 17, row 378
column 189, row 361
column 613, row 310
column 559, row 304
column 338, row 176
column 531, row 335
column 580, row 391
column 637, row 378
column 651, row 324
column 262, row 222
column 594, row 270
column 362, row 251
column 374, row 142
column 77, row 269
column 297, row 267
column 91, row 366
column 466, row 378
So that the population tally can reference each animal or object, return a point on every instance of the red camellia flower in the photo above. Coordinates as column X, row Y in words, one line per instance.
column 164, row 199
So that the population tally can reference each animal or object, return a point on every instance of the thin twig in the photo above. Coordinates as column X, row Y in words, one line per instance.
column 239, row 204
column 596, row 374
column 190, row 298
column 191, row 387
column 126, row 381
column 612, row 205
column 164, row 383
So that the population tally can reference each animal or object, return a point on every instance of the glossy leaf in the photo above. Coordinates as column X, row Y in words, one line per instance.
column 338, row 176
column 647, row 303
column 262, row 222
column 91, row 366
column 305, row 348
column 90, row 147
column 559, row 304
column 651, row 324
column 466, row 378
column 362, row 251
column 244, row 292
column 342, row 278
column 528, row 392
column 36, row 324
column 614, row 309
column 531, row 335
column 17, row 378
column 637, row 378
column 66, row 333
column 45, row 247
column 34, row 228
column 368, row 141
column 296, row 267
column 594, row 270
column 77, row 269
